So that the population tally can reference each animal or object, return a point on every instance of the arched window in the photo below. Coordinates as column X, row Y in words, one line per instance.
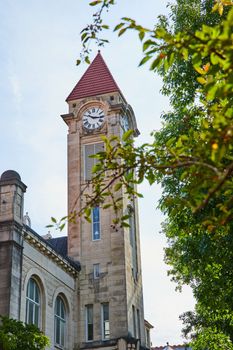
column 59, row 322
column 33, row 303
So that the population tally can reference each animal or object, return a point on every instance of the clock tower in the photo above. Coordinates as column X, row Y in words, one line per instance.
column 110, row 300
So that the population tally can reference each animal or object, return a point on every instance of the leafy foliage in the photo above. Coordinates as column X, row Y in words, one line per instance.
column 15, row 335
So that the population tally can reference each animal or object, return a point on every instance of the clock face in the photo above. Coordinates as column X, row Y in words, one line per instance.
column 93, row 118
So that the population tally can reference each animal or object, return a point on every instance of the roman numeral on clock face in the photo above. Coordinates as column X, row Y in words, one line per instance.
column 93, row 118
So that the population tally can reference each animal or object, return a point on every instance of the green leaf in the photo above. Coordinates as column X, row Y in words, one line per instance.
column 141, row 35
column 117, row 186
column 156, row 63
column 83, row 36
column 118, row 26
column 87, row 211
column 144, row 60
column 127, row 135
column 61, row 227
column 106, row 206
column 214, row 58
column 87, row 60
column 127, row 19
column 122, row 31
column 199, row 70
column 140, row 195
column 53, row 220
column 201, row 80
column 147, row 44
column 211, row 93
column 96, row 2
column 124, row 224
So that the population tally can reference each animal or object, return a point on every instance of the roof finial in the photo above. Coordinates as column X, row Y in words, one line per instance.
column 98, row 51
column 27, row 220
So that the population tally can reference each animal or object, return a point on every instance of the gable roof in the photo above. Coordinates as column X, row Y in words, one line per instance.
column 97, row 80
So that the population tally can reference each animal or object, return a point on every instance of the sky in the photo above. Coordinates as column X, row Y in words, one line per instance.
column 39, row 45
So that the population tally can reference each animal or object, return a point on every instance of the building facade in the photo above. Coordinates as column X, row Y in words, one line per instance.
column 84, row 290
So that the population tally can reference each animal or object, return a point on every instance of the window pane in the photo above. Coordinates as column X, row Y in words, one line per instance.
column 134, row 321
column 133, row 243
column 105, row 312
column 89, row 322
column 60, row 321
column 57, row 307
column 62, row 324
column 57, row 331
column 90, row 332
column 90, row 314
column 95, row 223
column 106, row 330
column 30, row 293
column 99, row 147
column 33, row 303
column 62, row 314
column 29, row 318
column 96, row 231
column 138, row 322
column 90, row 162
column 96, row 270
column 105, row 321
column 95, row 214
column 36, row 293
column 36, row 315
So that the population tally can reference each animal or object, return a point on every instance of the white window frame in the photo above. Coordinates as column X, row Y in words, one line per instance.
column 87, row 308
column 92, row 225
column 60, row 320
column 104, row 322
column 84, row 158
column 32, row 302
column 96, row 271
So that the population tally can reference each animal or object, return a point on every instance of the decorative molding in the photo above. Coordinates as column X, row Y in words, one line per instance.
column 50, row 253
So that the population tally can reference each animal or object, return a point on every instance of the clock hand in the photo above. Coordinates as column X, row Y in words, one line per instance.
column 90, row 116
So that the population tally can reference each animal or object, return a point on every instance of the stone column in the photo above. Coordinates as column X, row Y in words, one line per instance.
column 11, row 242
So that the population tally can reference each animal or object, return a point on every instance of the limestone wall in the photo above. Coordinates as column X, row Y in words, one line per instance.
column 52, row 281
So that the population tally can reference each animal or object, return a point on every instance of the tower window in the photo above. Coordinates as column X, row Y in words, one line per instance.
column 105, row 321
column 33, row 303
column 138, row 323
column 96, row 271
column 95, row 223
column 133, row 243
column 134, row 321
column 90, row 150
column 59, row 322
column 89, row 323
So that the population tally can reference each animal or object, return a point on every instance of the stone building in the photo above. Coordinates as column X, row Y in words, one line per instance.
column 85, row 290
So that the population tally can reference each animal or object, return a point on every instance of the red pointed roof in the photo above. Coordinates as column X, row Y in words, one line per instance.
column 97, row 80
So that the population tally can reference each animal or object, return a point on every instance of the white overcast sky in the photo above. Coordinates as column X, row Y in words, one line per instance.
column 39, row 44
